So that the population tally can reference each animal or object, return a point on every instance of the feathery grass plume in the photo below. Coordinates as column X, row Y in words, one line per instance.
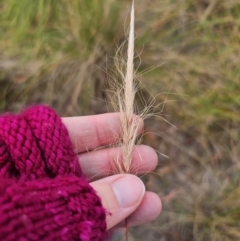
column 123, row 88
column 125, row 95
column 129, row 124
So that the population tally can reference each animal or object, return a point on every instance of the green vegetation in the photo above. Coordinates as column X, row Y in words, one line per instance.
column 56, row 52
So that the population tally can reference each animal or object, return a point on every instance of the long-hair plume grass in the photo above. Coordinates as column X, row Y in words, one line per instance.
column 124, row 91
column 124, row 86
column 129, row 124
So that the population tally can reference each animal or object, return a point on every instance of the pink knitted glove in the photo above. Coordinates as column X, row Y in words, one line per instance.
column 43, row 195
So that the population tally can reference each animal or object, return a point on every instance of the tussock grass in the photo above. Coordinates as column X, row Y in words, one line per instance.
column 49, row 51
column 63, row 40
column 197, row 40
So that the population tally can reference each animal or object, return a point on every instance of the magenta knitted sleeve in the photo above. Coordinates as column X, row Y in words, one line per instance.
column 43, row 195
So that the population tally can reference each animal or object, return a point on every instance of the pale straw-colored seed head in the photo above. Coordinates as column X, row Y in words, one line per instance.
column 124, row 92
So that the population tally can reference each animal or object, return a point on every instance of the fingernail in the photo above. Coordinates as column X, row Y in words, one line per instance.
column 128, row 190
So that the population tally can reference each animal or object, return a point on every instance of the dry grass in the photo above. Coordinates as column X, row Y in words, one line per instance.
column 125, row 94
column 51, row 53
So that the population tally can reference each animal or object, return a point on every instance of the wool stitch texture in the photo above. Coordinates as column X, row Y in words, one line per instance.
column 43, row 193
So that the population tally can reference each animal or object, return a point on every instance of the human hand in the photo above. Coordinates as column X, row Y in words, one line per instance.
column 122, row 195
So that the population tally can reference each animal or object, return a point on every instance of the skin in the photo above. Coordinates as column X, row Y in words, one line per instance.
column 123, row 195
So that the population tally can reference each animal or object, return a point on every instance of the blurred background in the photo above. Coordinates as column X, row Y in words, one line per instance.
column 58, row 52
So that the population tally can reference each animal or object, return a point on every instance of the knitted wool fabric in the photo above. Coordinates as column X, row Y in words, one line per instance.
column 43, row 195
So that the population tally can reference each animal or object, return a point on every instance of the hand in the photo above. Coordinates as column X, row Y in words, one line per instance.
column 123, row 195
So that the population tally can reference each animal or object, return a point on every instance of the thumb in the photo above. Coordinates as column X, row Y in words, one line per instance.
column 121, row 195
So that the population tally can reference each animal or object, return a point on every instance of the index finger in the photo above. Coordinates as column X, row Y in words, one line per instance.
column 90, row 132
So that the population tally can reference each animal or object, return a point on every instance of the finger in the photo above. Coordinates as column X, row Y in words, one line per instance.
column 90, row 132
column 121, row 195
column 148, row 210
column 101, row 163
